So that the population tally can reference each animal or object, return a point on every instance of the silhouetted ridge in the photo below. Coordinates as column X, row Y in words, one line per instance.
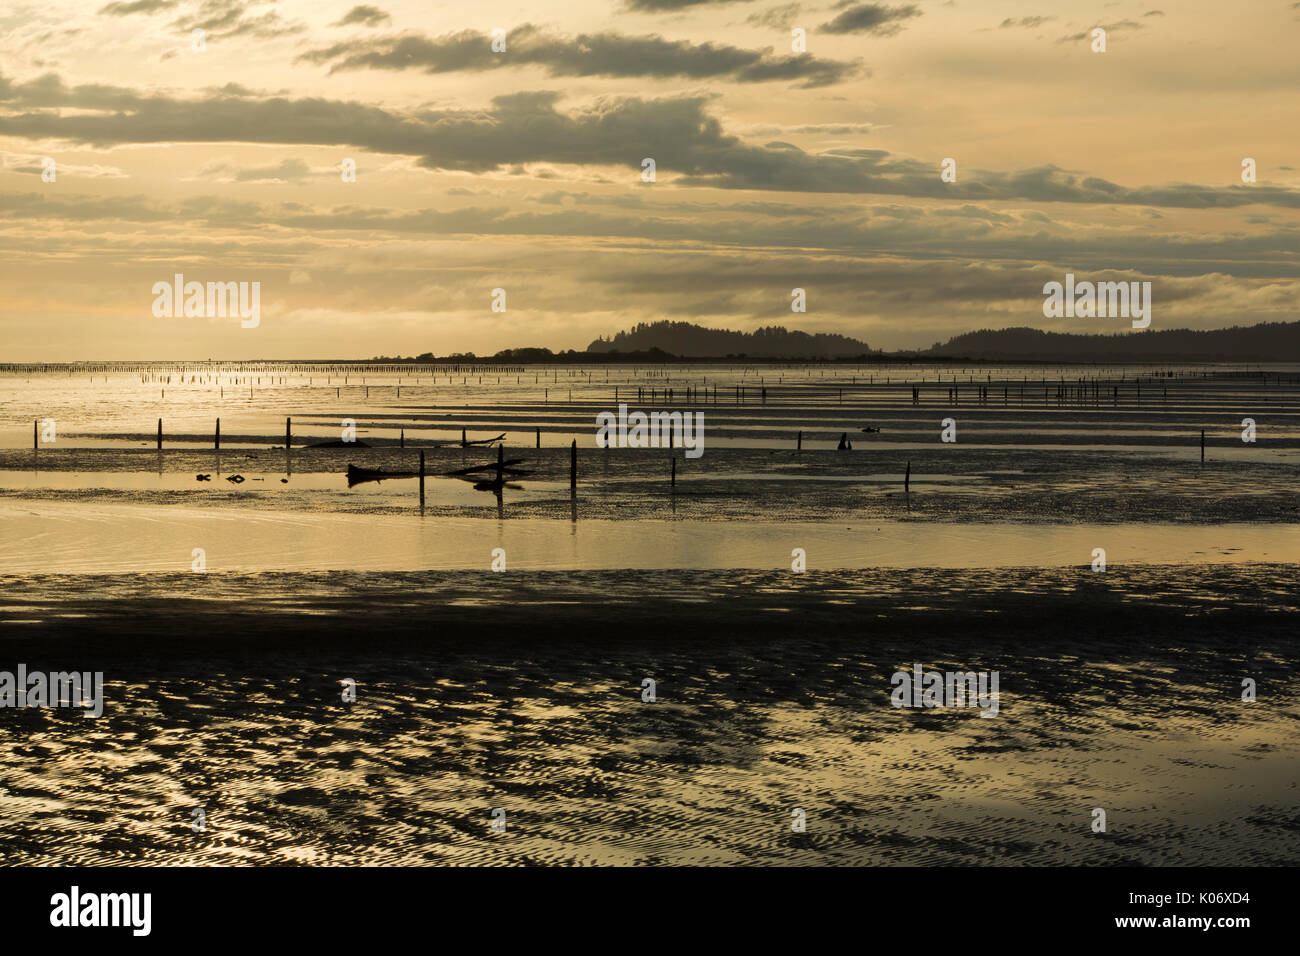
column 1269, row 342
column 695, row 341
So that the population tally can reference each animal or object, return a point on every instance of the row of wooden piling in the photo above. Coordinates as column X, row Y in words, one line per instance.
column 288, row 434
column 288, row 441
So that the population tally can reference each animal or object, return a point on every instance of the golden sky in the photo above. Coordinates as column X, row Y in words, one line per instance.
column 521, row 169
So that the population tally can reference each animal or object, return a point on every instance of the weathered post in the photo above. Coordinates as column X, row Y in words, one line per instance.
column 573, row 467
column 216, row 438
column 160, row 434
column 422, row 478
column 288, row 433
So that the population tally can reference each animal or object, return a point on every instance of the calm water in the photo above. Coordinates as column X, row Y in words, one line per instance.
column 71, row 536
column 432, row 404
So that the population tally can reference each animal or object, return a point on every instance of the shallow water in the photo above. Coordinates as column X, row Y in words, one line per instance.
column 253, row 400
column 104, row 537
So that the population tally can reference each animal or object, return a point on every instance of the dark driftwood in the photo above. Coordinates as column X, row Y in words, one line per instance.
column 357, row 475
column 505, row 465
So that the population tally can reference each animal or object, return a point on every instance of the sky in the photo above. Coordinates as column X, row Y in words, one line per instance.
column 522, row 169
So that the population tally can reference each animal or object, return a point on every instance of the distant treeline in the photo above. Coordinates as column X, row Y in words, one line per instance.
column 533, row 356
column 685, row 342
column 1269, row 342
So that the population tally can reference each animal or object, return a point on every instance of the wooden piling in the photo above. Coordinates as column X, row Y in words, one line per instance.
column 35, row 439
column 539, row 437
column 421, row 477
column 216, row 438
column 160, row 434
column 573, row 466
column 798, row 442
column 401, row 438
column 288, row 434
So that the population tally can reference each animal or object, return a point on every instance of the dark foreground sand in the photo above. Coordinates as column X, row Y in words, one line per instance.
column 522, row 691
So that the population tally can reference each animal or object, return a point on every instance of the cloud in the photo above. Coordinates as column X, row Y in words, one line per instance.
column 690, row 145
column 874, row 18
column 1108, row 27
column 364, row 15
column 229, row 18
column 286, row 171
column 1027, row 22
column 662, row 6
column 124, row 9
column 965, row 233
column 777, row 18
column 31, row 164
column 593, row 54
column 814, row 129
column 901, row 274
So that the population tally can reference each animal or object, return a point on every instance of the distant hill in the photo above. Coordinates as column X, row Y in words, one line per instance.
column 694, row 341
column 667, row 341
column 1269, row 342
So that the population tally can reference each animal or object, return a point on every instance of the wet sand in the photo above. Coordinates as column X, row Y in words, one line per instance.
column 522, row 691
